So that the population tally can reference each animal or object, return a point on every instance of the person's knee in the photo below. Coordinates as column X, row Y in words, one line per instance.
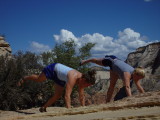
column 58, row 95
column 41, row 77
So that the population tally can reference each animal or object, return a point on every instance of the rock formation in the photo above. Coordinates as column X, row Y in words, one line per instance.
column 148, row 57
column 5, row 48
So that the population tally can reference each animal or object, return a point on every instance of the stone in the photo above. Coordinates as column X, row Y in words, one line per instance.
column 5, row 48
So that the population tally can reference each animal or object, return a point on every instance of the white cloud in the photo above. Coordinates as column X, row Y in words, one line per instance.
column 38, row 47
column 64, row 35
column 128, row 40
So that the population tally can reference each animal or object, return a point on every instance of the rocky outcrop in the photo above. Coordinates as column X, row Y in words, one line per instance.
column 148, row 57
column 5, row 48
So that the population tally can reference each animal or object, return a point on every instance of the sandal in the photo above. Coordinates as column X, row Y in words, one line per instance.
column 42, row 109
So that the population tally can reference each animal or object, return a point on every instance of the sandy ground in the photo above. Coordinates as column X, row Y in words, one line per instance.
column 139, row 107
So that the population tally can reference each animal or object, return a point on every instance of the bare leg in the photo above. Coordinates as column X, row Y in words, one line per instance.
column 113, row 80
column 58, row 93
column 36, row 78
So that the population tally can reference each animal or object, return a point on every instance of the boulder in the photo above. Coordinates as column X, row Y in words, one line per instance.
column 5, row 48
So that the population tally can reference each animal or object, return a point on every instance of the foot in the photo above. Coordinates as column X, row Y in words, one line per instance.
column 42, row 109
column 20, row 82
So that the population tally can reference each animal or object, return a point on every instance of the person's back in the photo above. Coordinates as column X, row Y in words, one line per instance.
column 62, row 71
column 120, row 67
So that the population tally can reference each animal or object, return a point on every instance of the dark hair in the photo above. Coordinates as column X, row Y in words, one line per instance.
column 90, row 76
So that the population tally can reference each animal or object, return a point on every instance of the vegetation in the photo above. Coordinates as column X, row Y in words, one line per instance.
column 33, row 94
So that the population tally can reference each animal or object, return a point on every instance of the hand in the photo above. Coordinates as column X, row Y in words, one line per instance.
column 81, row 62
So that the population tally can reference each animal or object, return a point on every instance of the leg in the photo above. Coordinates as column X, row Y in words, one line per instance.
column 58, row 93
column 122, row 92
column 113, row 80
column 36, row 78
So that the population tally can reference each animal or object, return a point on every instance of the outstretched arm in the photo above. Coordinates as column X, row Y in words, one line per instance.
column 93, row 60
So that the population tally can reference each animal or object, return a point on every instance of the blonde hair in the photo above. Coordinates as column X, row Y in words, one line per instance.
column 139, row 71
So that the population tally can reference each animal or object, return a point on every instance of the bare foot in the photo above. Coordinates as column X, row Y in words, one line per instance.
column 42, row 109
column 20, row 82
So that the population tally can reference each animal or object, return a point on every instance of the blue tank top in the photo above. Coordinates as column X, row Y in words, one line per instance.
column 62, row 71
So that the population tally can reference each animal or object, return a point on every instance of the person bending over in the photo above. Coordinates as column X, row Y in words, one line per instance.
column 63, row 76
column 122, row 70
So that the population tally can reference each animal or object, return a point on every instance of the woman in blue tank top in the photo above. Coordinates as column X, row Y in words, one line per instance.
column 63, row 76
column 122, row 70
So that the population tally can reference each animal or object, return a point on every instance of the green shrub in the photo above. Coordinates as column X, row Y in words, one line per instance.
column 12, row 70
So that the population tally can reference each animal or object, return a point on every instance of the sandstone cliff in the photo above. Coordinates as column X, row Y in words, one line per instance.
column 5, row 48
column 148, row 57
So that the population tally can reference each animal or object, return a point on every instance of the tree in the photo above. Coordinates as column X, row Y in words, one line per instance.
column 84, row 54
column 47, row 58
column 66, row 54
column 85, row 50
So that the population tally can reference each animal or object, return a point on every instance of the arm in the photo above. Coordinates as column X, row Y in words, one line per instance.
column 81, row 96
column 92, row 60
column 67, row 95
column 126, row 79
column 139, row 87
column 69, row 86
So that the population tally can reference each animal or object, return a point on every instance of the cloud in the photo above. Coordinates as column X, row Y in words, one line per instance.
column 64, row 35
column 128, row 40
column 38, row 47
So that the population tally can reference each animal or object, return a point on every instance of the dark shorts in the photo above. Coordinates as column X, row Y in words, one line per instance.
column 52, row 75
column 107, row 61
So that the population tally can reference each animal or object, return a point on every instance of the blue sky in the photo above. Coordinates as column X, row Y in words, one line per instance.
column 117, row 26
